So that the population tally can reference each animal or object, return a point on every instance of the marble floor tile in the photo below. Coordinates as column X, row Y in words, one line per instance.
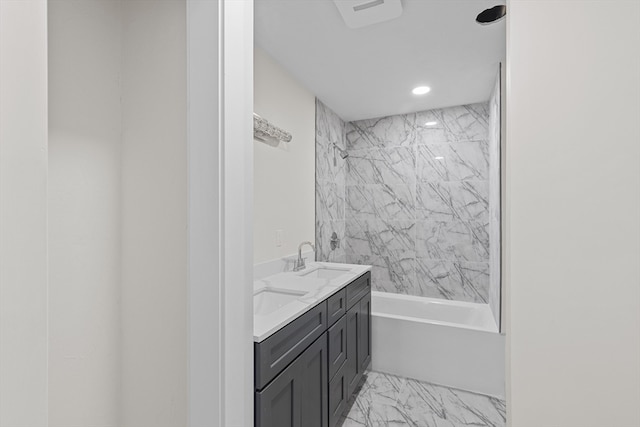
column 386, row 400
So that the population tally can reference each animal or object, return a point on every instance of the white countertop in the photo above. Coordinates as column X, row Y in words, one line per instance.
column 315, row 290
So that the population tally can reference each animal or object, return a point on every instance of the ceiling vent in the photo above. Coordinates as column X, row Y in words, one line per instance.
column 360, row 13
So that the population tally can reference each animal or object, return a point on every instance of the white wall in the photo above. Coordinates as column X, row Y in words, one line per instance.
column 236, row 280
column 84, row 212
column 94, row 55
column 118, row 204
column 154, row 215
column 284, row 176
column 23, row 210
column 573, row 174
column 204, row 299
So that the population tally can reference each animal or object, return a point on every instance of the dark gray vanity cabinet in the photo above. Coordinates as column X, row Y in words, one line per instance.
column 355, row 326
column 359, row 342
column 280, row 349
column 337, row 337
column 364, row 329
column 358, row 319
column 306, row 372
column 336, row 306
column 338, row 396
column 314, row 385
column 279, row 403
column 297, row 397
column 351, row 368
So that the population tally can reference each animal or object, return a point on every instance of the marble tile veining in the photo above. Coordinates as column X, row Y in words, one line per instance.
column 393, row 272
column 328, row 170
column 453, row 162
column 380, row 237
column 381, row 201
column 454, row 124
column 330, row 201
column 381, row 132
column 382, row 166
column 453, row 240
column 412, row 200
column 465, row 200
column 454, row 280
column 330, row 185
column 386, row 400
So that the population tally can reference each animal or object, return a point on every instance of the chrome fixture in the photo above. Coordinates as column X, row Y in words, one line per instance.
column 343, row 153
column 266, row 132
column 334, row 242
column 300, row 264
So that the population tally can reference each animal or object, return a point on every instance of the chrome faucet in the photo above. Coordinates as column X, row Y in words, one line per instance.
column 300, row 264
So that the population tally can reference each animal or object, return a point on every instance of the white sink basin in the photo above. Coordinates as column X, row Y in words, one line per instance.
column 282, row 296
column 268, row 300
column 326, row 273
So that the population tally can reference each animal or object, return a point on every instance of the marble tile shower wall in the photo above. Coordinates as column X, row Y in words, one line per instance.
column 330, row 184
column 417, row 200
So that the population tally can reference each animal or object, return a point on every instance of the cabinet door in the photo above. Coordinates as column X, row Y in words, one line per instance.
column 338, row 396
column 278, row 404
column 364, row 336
column 298, row 396
column 337, row 337
column 352, row 371
column 313, row 384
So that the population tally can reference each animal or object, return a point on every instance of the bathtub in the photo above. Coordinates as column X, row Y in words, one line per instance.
column 451, row 343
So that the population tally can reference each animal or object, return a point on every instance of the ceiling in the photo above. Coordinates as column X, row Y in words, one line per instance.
column 369, row 72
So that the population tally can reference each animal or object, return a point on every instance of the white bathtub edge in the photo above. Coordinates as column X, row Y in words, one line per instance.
column 449, row 355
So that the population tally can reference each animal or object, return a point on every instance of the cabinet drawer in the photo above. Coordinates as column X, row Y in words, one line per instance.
column 276, row 352
column 336, row 306
column 338, row 397
column 359, row 288
column 337, row 345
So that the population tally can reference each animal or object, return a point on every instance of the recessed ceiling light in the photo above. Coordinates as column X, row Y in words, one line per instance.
column 421, row 90
column 431, row 123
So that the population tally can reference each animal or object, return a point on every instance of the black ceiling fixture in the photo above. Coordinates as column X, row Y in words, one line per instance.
column 489, row 16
